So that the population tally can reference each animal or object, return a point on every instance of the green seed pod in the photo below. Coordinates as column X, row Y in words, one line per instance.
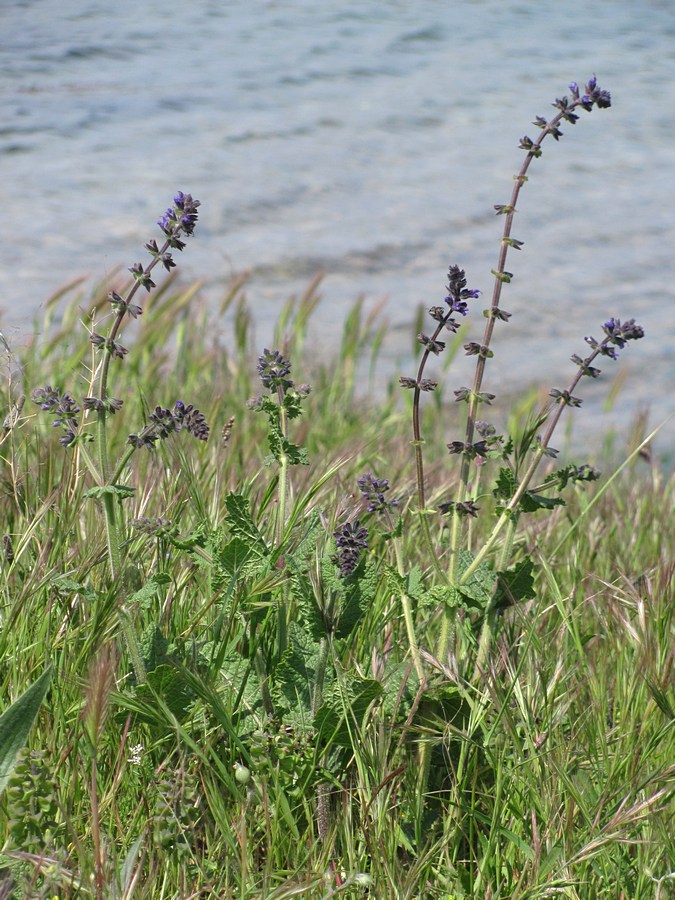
column 241, row 773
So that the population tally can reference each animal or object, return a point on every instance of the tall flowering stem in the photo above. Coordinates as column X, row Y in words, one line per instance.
column 593, row 96
column 274, row 370
column 456, row 302
column 178, row 221
column 617, row 335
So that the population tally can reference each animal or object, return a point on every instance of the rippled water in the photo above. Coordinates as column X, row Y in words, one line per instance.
column 365, row 139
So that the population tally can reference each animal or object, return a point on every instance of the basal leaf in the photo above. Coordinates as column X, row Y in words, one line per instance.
column 344, row 705
column 400, row 686
column 153, row 646
column 167, row 683
column 477, row 590
column 295, row 675
column 446, row 594
column 358, row 597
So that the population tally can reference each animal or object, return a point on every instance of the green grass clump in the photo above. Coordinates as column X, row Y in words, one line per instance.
column 237, row 661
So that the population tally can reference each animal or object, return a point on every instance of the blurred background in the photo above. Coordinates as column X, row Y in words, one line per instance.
column 367, row 140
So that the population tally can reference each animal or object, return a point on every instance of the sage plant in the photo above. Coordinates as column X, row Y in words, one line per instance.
column 514, row 486
column 72, row 417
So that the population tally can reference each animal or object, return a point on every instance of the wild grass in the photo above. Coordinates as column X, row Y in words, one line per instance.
column 242, row 700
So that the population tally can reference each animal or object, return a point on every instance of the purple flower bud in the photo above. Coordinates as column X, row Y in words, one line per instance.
column 350, row 540
column 273, row 369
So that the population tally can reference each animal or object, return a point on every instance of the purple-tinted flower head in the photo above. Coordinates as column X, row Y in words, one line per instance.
column 432, row 346
column 191, row 419
column 373, row 490
column 619, row 334
column 164, row 422
column 179, row 219
column 350, row 539
column 458, row 293
column 585, row 366
column 595, row 96
column 273, row 369
column 64, row 409
column 425, row 384
column 57, row 404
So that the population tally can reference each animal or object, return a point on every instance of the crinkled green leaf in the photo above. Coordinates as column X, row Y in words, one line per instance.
column 400, row 686
column 241, row 524
column 306, row 549
column 145, row 595
column 414, row 583
column 444, row 594
column 359, row 594
column 310, row 614
column 280, row 447
column 169, row 684
column 236, row 559
column 345, row 703
column 477, row 590
column 153, row 647
column 295, row 675
column 506, row 484
column 239, row 686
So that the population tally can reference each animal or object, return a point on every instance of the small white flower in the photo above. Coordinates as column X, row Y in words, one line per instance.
column 136, row 754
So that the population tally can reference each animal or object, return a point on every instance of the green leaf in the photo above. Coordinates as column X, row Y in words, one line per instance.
column 16, row 722
column 146, row 594
column 400, row 688
column 530, row 502
column 313, row 531
column 358, row 597
column 310, row 614
column 167, row 683
column 235, row 559
column 477, row 591
column 445, row 594
column 514, row 585
column 345, row 704
column 414, row 583
column 295, row 675
column 241, row 523
column 506, row 484
column 116, row 490
column 154, row 647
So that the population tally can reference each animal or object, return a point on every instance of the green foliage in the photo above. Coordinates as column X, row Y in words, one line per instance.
column 475, row 704
column 16, row 722
column 282, row 727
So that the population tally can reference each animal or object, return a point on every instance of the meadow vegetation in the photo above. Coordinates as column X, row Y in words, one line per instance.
column 286, row 637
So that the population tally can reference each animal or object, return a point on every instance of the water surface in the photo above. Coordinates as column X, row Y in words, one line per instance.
column 369, row 140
